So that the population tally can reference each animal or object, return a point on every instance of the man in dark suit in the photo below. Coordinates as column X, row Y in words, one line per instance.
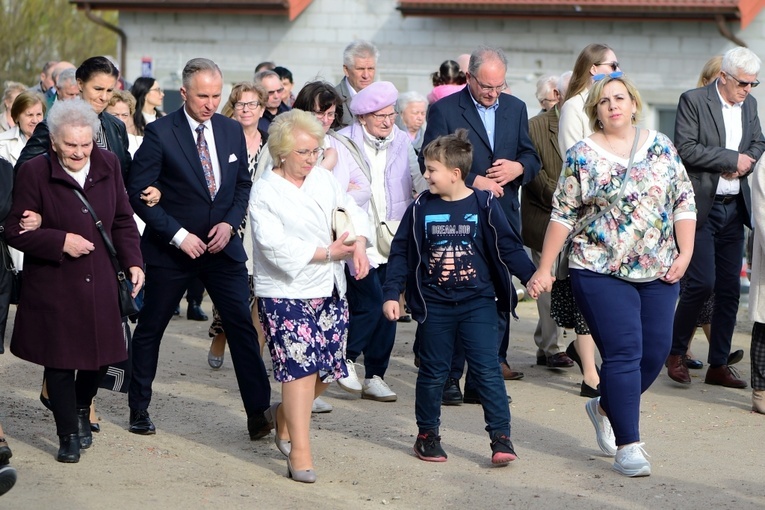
column 503, row 155
column 199, row 160
column 718, row 137
column 359, row 66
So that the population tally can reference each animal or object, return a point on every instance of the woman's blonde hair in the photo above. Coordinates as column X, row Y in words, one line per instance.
column 591, row 106
column 123, row 96
column 281, row 133
column 236, row 94
column 710, row 71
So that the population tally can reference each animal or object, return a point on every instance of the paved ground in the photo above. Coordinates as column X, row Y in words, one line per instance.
column 706, row 446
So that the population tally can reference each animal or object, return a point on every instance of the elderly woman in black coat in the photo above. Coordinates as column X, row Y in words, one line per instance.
column 68, row 318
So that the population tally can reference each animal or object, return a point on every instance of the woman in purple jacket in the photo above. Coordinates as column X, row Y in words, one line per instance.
column 391, row 166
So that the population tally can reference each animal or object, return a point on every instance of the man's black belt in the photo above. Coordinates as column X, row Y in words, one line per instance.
column 725, row 199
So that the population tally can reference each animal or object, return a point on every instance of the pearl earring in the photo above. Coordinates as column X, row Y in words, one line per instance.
column 600, row 124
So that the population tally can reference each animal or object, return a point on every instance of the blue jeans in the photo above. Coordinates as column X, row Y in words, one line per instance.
column 369, row 332
column 474, row 322
column 632, row 327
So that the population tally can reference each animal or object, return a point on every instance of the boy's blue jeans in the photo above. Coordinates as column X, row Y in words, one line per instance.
column 475, row 323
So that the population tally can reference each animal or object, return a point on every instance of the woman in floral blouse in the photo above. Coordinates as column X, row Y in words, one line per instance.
column 625, row 265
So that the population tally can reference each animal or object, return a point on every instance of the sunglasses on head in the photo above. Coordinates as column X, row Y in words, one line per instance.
column 598, row 77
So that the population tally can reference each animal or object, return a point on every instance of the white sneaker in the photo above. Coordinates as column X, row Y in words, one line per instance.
column 320, row 406
column 631, row 461
column 351, row 383
column 377, row 389
column 603, row 431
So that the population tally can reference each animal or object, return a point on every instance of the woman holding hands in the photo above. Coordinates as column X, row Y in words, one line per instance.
column 626, row 197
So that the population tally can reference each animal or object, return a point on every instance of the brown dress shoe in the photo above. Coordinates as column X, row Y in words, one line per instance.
column 560, row 360
column 724, row 375
column 676, row 369
column 508, row 374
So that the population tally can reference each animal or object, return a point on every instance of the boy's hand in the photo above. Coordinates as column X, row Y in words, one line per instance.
column 391, row 310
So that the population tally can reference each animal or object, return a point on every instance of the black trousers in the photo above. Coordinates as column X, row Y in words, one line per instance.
column 69, row 390
column 227, row 283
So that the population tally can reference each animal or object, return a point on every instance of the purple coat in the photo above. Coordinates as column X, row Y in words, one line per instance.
column 68, row 317
column 398, row 177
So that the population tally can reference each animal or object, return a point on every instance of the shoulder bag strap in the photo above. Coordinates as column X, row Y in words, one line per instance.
column 107, row 241
column 611, row 205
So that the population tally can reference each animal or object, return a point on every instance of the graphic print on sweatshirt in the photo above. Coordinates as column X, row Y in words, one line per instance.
column 452, row 256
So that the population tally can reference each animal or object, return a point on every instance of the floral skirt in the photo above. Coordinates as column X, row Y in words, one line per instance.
column 306, row 336
column 564, row 310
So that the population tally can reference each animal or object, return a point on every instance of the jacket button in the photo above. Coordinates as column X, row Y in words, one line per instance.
column 87, row 278
column 84, row 210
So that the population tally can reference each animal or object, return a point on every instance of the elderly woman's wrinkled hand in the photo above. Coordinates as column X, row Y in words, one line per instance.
column 330, row 158
column 76, row 246
column 151, row 196
column 137, row 279
column 30, row 220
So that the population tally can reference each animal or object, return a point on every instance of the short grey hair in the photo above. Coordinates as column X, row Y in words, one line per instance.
column 261, row 75
column 409, row 97
column 545, row 85
column 563, row 82
column 199, row 65
column 483, row 54
column 359, row 49
column 72, row 113
column 66, row 77
column 741, row 59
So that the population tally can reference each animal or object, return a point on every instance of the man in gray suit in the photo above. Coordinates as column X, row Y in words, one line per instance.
column 718, row 137
column 359, row 66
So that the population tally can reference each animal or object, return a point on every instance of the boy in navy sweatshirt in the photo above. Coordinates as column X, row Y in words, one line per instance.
column 454, row 253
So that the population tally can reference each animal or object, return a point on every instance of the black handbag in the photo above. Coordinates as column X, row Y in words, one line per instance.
column 127, row 303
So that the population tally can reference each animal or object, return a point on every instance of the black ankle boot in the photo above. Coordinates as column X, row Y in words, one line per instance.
column 69, row 449
column 83, row 427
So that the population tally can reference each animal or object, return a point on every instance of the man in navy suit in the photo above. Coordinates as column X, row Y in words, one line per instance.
column 199, row 160
column 503, row 155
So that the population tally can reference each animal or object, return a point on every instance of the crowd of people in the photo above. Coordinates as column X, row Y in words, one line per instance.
column 317, row 218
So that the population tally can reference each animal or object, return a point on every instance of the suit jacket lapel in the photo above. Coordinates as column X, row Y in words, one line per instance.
column 746, row 117
column 470, row 114
column 188, row 146
column 220, row 148
column 715, row 109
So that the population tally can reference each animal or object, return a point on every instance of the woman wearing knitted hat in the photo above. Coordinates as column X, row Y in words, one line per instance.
column 395, row 177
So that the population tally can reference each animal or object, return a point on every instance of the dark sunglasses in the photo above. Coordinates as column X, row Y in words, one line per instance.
column 614, row 65
column 744, row 84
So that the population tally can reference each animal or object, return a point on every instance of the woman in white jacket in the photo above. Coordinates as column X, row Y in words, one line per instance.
column 27, row 111
column 757, row 288
column 299, row 277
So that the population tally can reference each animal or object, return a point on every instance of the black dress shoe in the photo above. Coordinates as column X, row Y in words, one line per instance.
column 588, row 391
column 69, row 448
column 83, row 427
column 452, row 395
column 195, row 313
column 46, row 402
column 692, row 363
column 735, row 357
column 258, row 426
column 95, row 427
column 140, row 423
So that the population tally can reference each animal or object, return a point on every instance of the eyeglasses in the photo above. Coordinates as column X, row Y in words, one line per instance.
column 379, row 117
column 487, row 88
column 121, row 115
column 598, row 77
column 307, row 153
column 744, row 84
column 158, row 89
column 276, row 92
column 548, row 101
column 250, row 105
column 325, row 115
column 614, row 65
